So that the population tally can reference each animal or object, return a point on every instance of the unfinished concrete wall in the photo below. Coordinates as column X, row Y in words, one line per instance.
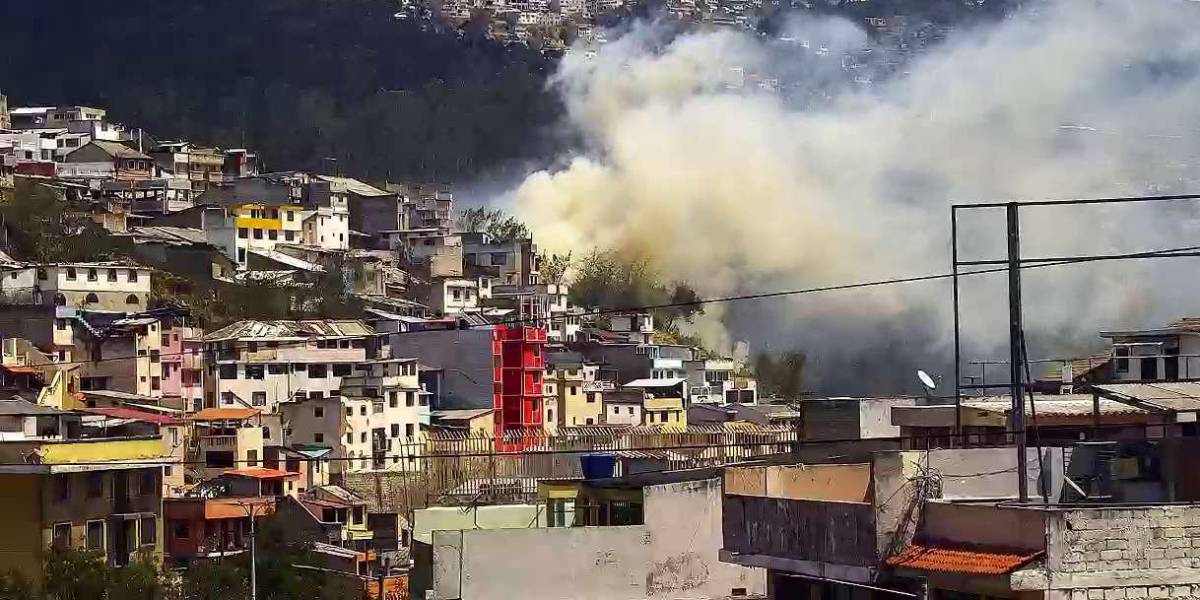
column 673, row 556
column 875, row 417
column 684, row 525
column 1119, row 553
column 503, row 516
column 983, row 524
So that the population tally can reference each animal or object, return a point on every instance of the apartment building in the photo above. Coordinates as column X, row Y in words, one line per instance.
column 380, row 408
column 225, row 438
column 182, row 356
column 113, row 286
column 66, row 485
column 262, row 364
column 101, row 159
column 573, row 396
column 716, row 380
column 516, row 260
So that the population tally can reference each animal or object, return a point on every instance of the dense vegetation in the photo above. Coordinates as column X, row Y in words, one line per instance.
column 302, row 81
column 84, row 575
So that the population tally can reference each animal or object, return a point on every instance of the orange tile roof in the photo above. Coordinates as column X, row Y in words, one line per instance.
column 959, row 560
column 218, row 414
column 260, row 473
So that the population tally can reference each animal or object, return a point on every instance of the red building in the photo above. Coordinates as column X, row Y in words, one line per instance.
column 517, row 364
column 210, row 527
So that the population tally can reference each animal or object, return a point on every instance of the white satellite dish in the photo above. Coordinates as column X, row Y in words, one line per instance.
column 926, row 380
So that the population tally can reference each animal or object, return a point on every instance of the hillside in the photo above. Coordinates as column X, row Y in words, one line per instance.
column 299, row 80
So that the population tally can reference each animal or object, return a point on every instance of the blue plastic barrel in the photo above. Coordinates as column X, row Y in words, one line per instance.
column 598, row 465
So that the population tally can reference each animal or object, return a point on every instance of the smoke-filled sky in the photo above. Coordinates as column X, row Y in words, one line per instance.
column 735, row 189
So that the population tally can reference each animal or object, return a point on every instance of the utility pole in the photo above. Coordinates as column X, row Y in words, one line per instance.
column 253, row 561
column 1016, row 389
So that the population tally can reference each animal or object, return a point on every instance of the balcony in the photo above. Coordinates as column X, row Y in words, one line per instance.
column 218, row 442
column 93, row 450
column 663, row 404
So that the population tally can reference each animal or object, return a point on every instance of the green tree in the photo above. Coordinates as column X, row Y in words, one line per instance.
column 780, row 375
column 608, row 281
column 494, row 222
column 554, row 267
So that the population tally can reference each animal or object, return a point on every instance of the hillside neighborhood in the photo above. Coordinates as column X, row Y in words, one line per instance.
column 407, row 395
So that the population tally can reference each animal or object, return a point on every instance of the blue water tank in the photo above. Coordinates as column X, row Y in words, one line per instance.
column 598, row 465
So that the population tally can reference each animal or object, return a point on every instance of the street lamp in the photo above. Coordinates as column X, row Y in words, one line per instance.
column 252, row 511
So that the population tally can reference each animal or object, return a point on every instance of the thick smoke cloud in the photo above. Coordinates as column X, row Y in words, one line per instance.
column 693, row 166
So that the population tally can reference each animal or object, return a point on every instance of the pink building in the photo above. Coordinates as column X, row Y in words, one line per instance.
column 183, row 365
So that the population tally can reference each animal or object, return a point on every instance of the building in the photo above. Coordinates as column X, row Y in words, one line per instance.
column 664, row 401
column 182, row 353
column 545, row 305
column 113, row 286
column 106, row 160
column 5, row 119
column 426, row 205
column 211, row 527
column 573, row 395
column 654, row 535
column 456, row 364
column 250, row 212
column 716, row 380
column 265, row 363
column 519, row 362
column 189, row 162
column 69, row 486
column 372, row 211
column 516, row 261
column 378, row 411
column 225, row 438
column 851, row 418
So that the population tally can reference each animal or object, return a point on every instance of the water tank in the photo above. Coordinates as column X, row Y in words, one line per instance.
column 597, row 465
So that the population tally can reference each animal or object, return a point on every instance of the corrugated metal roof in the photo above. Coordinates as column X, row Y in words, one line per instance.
column 133, row 415
column 355, row 186
column 260, row 330
column 655, row 383
column 260, row 473
column 19, row 407
column 172, row 236
column 1183, row 396
column 287, row 259
column 961, row 560
column 1064, row 405
column 465, row 414
column 220, row 414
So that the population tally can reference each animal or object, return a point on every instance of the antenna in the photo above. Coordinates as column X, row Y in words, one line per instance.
column 926, row 380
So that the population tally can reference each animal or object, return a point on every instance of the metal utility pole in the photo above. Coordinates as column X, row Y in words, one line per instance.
column 1016, row 389
column 253, row 561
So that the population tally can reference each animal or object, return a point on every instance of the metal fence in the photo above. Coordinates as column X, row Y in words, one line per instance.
column 461, row 468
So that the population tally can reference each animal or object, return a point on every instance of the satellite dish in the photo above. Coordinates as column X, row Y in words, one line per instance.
column 926, row 380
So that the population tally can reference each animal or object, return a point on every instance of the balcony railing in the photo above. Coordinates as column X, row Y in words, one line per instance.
column 218, row 441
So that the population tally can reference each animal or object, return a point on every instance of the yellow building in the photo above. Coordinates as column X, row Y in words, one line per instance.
column 663, row 401
column 61, row 489
column 571, row 395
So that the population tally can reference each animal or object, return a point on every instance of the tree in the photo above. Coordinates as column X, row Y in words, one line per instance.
column 554, row 267
column 41, row 226
column 780, row 375
column 606, row 280
column 494, row 222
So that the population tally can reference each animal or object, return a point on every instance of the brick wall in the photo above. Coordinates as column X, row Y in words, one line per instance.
column 1106, row 554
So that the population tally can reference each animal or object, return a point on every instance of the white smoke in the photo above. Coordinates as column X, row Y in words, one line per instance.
column 734, row 189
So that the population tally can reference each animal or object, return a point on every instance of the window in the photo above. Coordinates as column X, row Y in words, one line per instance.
column 395, row 430
column 499, row 258
column 456, row 294
column 95, row 485
column 258, row 398
column 319, row 438
column 409, row 429
column 349, row 411
column 423, row 399
column 318, row 412
column 317, row 371
column 349, row 438
column 149, row 483
column 393, row 399
column 591, row 397
column 92, row 275
column 60, row 300
column 91, row 298
column 62, row 487
column 266, row 432
column 362, row 410
column 574, row 390
column 112, row 274
column 341, row 370
column 148, row 531
column 228, row 372
column 408, row 398
column 277, row 369
column 182, row 531
column 62, row 535
column 252, row 458
column 42, row 275
column 272, row 234
column 630, row 410
column 316, row 395
column 95, row 535
column 156, row 382
column 227, row 398
column 241, row 255
column 362, row 437
column 291, row 216
column 133, row 276
column 218, row 459
column 258, row 233
column 649, row 417
column 154, row 355
column 255, row 371
column 1122, row 354
column 289, row 235
column 589, row 421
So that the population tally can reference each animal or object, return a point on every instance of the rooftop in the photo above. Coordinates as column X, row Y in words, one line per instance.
column 134, row 415
column 222, row 414
column 655, row 383
column 355, row 186
column 18, row 407
column 259, row 473
column 267, row 330
column 465, row 414
column 1064, row 405
column 977, row 561
column 1170, row 396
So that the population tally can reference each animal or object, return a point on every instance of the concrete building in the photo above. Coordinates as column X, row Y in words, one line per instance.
column 623, row 407
column 517, row 260
column 664, row 401
column 182, row 352
column 571, row 394
column 1169, row 353
column 106, row 160
column 63, row 488
column 201, row 528
column 266, row 363
column 371, row 210
column 225, row 438
column 456, row 365
column 716, row 380
column 251, row 212
column 378, row 411
column 851, row 418
column 113, row 286
column 659, row 538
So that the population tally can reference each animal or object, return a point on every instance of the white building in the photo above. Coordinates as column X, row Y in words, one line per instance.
column 715, row 381
column 452, row 295
column 374, row 422
column 327, row 227
column 262, row 364
column 95, row 286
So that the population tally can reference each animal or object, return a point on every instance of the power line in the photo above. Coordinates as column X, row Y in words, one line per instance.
column 1163, row 253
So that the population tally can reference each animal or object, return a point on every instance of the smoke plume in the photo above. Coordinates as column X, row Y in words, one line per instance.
column 698, row 162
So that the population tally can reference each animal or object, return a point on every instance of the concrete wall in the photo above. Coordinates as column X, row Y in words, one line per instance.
column 875, row 417
column 843, row 483
column 1147, row 552
column 504, row 516
column 465, row 356
column 673, row 556
column 983, row 524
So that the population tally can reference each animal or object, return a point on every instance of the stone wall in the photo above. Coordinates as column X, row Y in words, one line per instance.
column 1119, row 553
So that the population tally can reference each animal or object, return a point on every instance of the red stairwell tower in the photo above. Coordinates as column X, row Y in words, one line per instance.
column 518, row 360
